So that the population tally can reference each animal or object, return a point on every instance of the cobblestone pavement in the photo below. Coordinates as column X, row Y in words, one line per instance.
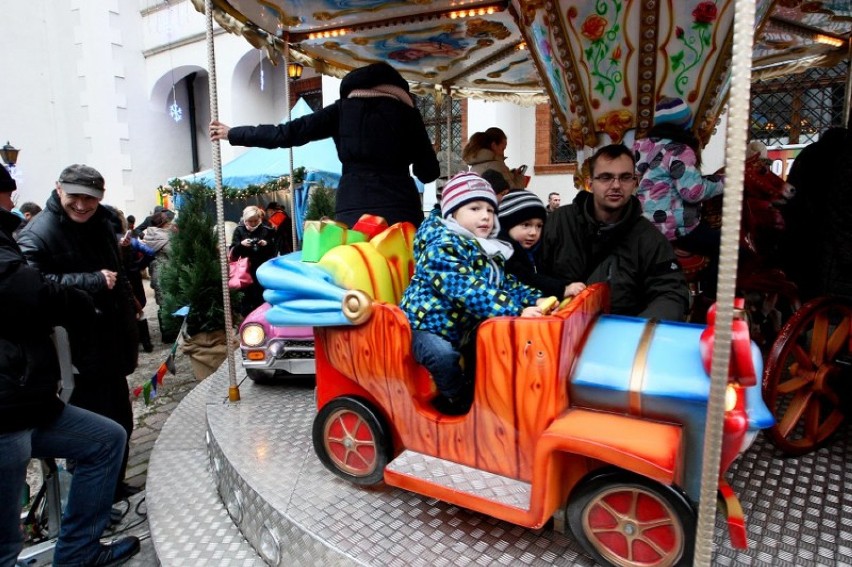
column 149, row 420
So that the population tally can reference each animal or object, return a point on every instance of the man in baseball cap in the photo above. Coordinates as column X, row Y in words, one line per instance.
column 35, row 423
column 80, row 189
column 73, row 241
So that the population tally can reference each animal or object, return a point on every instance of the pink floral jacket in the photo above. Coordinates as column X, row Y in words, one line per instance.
column 671, row 187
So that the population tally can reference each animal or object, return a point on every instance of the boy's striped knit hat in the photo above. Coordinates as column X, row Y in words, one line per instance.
column 673, row 110
column 464, row 188
column 519, row 206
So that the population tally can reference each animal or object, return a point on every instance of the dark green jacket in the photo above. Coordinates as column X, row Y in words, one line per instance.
column 631, row 255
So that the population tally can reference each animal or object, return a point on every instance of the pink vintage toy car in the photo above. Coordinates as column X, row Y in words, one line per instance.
column 270, row 351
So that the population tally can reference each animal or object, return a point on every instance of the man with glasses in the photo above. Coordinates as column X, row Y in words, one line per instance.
column 603, row 237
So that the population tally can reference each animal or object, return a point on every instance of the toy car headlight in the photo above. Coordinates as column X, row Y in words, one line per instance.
column 253, row 335
column 731, row 397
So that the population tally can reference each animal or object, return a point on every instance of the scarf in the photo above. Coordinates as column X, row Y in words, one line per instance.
column 389, row 91
column 492, row 247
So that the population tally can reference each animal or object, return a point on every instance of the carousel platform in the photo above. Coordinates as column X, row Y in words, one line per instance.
column 239, row 484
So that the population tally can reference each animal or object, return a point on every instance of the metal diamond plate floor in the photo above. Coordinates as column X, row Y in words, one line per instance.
column 253, row 462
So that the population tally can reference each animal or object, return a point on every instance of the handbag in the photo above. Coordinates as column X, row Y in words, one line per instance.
column 238, row 273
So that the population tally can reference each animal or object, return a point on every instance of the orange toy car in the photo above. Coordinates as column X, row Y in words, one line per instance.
column 596, row 420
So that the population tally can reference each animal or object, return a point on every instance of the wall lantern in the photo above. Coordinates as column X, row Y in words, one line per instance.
column 294, row 70
column 9, row 154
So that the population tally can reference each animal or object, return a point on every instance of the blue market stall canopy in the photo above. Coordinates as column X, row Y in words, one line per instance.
column 259, row 165
column 603, row 64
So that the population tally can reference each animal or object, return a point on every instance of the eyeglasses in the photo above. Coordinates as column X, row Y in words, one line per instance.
column 609, row 177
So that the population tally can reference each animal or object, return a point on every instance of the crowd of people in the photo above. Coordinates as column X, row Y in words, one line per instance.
column 490, row 247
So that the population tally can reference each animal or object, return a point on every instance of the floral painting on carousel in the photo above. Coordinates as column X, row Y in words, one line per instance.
column 614, row 59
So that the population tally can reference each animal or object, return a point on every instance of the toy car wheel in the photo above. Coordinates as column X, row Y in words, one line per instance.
column 260, row 376
column 626, row 520
column 805, row 374
column 352, row 441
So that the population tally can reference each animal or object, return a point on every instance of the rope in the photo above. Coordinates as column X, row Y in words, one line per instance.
column 735, row 148
column 233, row 388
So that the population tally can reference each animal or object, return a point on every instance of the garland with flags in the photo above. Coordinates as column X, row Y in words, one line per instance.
column 148, row 390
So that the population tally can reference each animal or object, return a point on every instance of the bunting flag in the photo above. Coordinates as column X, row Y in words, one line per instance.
column 148, row 390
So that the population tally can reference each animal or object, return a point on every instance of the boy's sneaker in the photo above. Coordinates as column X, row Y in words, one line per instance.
column 450, row 406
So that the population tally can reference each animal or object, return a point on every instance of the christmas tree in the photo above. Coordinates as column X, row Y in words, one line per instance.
column 320, row 203
column 192, row 277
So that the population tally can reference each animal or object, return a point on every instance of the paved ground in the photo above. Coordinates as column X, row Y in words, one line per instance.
column 149, row 421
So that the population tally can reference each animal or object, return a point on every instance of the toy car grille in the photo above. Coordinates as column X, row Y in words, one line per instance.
column 298, row 349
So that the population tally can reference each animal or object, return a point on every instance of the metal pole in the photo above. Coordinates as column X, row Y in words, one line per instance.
column 233, row 388
column 847, row 101
column 449, row 102
column 735, row 147
column 287, row 79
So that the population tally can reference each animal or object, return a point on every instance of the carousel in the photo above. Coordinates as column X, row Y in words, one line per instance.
column 593, row 439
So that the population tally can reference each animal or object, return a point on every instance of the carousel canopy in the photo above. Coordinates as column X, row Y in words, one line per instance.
column 603, row 64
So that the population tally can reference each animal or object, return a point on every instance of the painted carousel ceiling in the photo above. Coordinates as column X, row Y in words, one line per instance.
column 603, row 64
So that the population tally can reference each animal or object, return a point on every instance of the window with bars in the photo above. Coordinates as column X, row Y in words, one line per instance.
column 560, row 150
column 553, row 154
column 797, row 108
column 435, row 120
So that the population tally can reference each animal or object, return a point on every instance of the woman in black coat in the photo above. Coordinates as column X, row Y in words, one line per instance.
column 256, row 241
column 379, row 134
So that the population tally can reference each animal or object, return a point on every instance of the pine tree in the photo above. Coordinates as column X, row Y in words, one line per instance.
column 321, row 203
column 192, row 277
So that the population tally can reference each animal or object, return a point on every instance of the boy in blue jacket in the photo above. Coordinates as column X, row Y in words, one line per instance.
column 460, row 280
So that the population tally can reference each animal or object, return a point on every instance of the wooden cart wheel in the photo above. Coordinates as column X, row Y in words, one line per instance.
column 627, row 520
column 804, row 375
column 352, row 441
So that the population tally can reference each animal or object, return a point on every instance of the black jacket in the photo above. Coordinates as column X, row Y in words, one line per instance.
column 525, row 266
column 73, row 254
column 631, row 255
column 29, row 370
column 377, row 140
column 257, row 255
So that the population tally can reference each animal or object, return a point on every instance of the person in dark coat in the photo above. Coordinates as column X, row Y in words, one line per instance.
column 816, row 214
column 603, row 237
column 378, row 132
column 35, row 423
column 73, row 242
column 522, row 218
column 282, row 225
column 256, row 241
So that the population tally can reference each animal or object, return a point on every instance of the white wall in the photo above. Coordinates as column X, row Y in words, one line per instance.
column 42, row 93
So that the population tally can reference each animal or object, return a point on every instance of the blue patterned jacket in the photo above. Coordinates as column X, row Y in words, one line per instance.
column 455, row 285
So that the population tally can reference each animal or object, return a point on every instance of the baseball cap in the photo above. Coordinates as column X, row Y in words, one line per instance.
column 79, row 179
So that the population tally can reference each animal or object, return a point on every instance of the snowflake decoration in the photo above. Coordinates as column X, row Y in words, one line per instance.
column 175, row 111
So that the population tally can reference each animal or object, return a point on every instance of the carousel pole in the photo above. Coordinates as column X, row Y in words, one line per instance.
column 449, row 102
column 735, row 148
column 847, row 101
column 287, row 80
column 233, row 388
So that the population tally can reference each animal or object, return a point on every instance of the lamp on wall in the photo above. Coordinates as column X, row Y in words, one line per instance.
column 9, row 154
column 294, row 70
